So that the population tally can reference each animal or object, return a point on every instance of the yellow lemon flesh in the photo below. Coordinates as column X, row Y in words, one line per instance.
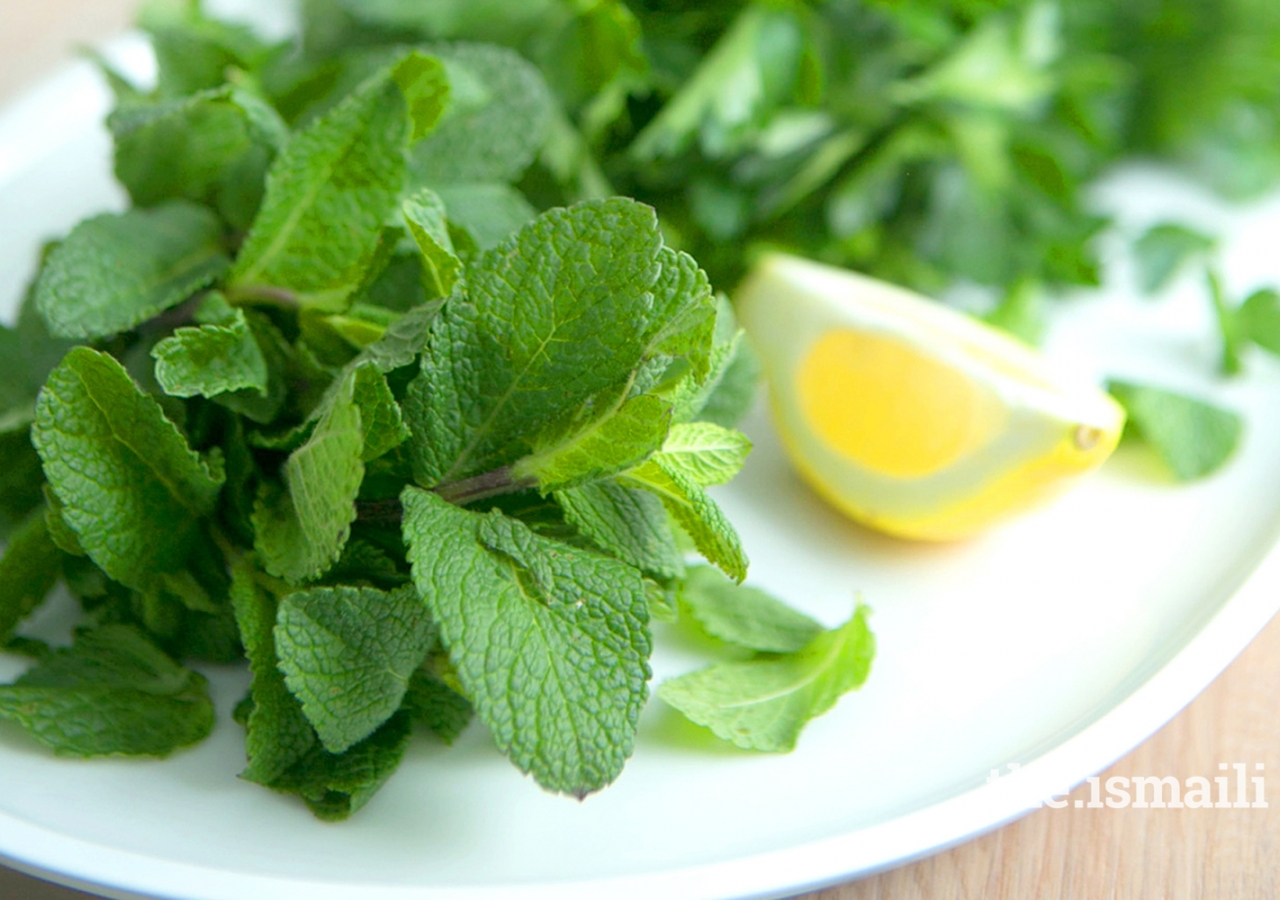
column 910, row 417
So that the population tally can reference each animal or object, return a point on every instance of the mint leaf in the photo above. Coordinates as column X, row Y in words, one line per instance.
column 130, row 486
column 333, row 188
column 495, row 122
column 212, row 148
column 277, row 733
column 550, row 642
column 557, row 314
column 114, row 272
column 1193, row 438
column 301, row 529
column 380, row 420
column 626, row 523
column 706, row 453
column 487, row 213
column 211, row 360
column 1163, row 250
column 21, row 479
column 437, row 705
column 1259, row 319
column 728, row 390
column 194, row 52
column 763, row 704
column 348, row 653
column 619, row 440
column 112, row 693
column 404, row 339
column 696, row 512
column 744, row 616
column 30, row 568
column 56, row 526
column 335, row 787
column 424, row 213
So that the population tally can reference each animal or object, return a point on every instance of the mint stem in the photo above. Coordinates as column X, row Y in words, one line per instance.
column 459, row 493
column 262, row 293
column 481, row 487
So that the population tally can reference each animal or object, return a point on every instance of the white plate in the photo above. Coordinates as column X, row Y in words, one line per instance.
column 1058, row 643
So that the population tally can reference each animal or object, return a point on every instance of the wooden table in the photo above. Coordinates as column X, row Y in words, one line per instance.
column 1099, row 854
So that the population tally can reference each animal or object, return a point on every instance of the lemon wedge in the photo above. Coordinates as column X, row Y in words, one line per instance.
column 913, row 418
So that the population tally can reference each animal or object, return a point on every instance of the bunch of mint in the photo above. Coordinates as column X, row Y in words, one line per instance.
column 334, row 397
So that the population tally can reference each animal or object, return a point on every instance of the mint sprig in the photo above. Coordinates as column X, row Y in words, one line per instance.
column 339, row 399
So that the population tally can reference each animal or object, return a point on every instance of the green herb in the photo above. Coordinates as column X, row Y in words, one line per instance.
column 763, row 703
column 1164, row 250
column 1192, row 437
column 347, row 405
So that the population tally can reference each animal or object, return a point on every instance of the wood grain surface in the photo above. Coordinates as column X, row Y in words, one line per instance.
column 1053, row 854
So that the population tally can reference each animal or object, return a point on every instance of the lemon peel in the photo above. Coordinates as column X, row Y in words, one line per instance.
column 910, row 417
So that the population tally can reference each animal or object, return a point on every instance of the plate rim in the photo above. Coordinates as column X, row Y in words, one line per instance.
column 813, row 865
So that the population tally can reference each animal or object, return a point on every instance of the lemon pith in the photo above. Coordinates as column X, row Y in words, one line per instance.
column 910, row 417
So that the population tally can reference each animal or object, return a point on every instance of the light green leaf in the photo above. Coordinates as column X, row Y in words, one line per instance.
column 331, row 191
column 425, row 214
column 1193, row 438
column 621, row 439
column 380, row 418
column 764, row 704
column 129, row 484
column 629, row 524
column 211, row 360
column 347, row 654
column 112, row 693
column 744, row 616
column 696, row 512
column 114, row 272
column 549, row 642
column 706, row 453
column 301, row 529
